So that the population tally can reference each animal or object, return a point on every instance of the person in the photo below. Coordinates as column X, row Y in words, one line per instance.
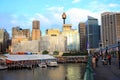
column 109, row 59
column 104, row 60
column 119, row 60
column 94, row 61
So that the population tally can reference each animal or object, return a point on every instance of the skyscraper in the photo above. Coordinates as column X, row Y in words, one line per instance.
column 18, row 35
column 36, row 30
column 4, row 37
column 93, row 32
column 53, row 32
column 82, row 33
column 72, row 37
column 110, row 28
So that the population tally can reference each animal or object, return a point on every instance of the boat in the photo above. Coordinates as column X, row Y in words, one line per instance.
column 52, row 64
column 3, row 64
column 3, row 67
column 42, row 65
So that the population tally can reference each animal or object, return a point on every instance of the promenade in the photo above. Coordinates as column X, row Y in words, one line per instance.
column 107, row 72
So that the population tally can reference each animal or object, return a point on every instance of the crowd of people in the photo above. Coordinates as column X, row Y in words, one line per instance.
column 106, row 59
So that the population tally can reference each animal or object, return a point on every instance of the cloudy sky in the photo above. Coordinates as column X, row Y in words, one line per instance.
column 23, row 12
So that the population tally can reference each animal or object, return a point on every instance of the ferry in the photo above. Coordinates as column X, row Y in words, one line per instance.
column 2, row 64
column 43, row 65
column 52, row 64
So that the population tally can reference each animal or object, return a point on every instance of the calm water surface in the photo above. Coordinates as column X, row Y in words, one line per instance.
column 63, row 72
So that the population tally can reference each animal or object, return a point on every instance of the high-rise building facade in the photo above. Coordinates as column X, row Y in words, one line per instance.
column 53, row 32
column 26, row 46
column 4, row 37
column 110, row 28
column 36, row 33
column 93, row 32
column 18, row 35
column 72, row 37
column 53, row 43
column 82, row 34
column 19, row 32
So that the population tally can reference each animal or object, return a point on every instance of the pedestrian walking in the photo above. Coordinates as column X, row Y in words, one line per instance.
column 109, row 59
column 94, row 61
column 119, row 59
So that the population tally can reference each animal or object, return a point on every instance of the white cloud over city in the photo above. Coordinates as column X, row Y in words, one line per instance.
column 49, row 13
column 75, row 1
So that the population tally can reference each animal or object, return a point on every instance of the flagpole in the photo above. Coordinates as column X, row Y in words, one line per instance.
column 88, row 49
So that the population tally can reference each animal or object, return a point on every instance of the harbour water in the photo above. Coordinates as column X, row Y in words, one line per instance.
column 68, row 71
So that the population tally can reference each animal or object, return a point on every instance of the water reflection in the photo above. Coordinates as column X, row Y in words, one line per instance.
column 64, row 71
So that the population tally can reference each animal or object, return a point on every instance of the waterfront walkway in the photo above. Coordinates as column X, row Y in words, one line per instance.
column 107, row 72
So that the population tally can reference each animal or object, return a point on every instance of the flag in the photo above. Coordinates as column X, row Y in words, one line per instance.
column 88, row 46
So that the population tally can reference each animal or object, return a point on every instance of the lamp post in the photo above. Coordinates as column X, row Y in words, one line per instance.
column 64, row 17
column 106, row 53
column 119, row 53
column 101, row 50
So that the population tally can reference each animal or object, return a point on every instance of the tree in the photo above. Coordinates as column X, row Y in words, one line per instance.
column 55, row 52
column 45, row 52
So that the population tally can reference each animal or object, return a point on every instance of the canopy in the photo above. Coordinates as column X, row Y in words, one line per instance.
column 29, row 57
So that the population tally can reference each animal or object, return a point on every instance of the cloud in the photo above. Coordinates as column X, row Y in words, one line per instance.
column 14, row 16
column 113, row 5
column 75, row 1
column 76, row 15
column 55, row 9
column 53, row 19
column 40, row 17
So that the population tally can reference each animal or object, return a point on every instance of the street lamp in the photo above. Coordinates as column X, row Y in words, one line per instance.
column 101, row 50
column 106, row 53
column 64, row 17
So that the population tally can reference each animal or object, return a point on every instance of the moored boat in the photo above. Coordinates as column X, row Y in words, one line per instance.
column 52, row 64
column 42, row 65
column 2, row 67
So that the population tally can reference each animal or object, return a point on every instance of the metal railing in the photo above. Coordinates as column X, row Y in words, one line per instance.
column 89, row 71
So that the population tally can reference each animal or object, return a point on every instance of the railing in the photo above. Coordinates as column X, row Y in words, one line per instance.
column 89, row 71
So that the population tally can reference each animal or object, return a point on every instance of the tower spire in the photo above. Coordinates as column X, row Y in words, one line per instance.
column 64, row 17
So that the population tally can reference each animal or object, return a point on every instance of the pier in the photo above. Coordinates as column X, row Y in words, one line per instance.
column 26, row 61
column 72, row 59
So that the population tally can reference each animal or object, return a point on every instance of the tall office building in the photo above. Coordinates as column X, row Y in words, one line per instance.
column 18, row 35
column 53, row 32
column 36, row 30
column 72, row 37
column 4, row 37
column 53, row 43
column 110, row 28
column 19, row 32
column 82, row 34
column 93, row 33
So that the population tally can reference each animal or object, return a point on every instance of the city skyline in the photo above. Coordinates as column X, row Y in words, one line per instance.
column 49, row 13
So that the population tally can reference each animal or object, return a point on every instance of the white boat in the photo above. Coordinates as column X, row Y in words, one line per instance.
column 3, row 67
column 52, row 64
column 43, row 65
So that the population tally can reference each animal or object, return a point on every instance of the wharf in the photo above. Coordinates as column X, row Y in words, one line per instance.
column 72, row 59
column 107, row 72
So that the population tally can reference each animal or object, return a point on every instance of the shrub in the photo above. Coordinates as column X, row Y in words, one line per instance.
column 55, row 52
column 45, row 52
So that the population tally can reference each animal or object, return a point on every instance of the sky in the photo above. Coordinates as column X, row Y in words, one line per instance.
column 22, row 12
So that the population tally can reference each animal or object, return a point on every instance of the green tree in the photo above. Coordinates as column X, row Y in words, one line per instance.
column 45, row 52
column 55, row 52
